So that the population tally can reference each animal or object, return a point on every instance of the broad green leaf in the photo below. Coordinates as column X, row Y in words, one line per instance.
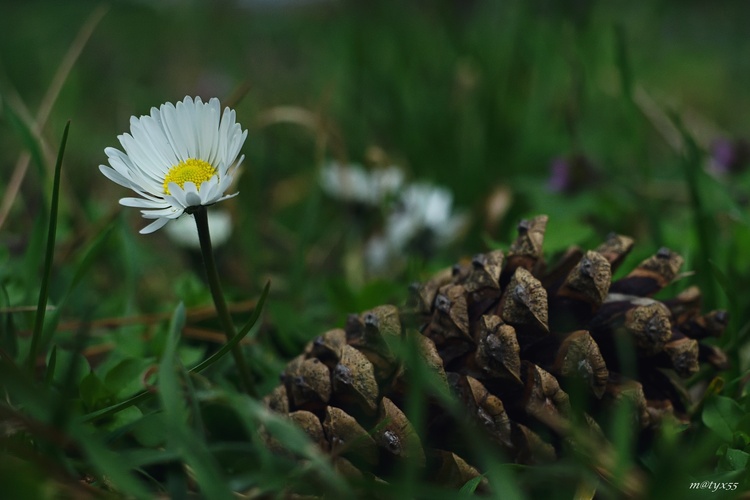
column 125, row 377
column 92, row 390
column 124, row 418
column 722, row 415
column 734, row 459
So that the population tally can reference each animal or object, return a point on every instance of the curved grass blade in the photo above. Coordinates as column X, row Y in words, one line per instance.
column 49, row 255
column 111, row 410
column 237, row 338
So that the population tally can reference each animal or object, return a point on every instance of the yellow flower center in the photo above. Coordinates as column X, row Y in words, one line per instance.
column 190, row 170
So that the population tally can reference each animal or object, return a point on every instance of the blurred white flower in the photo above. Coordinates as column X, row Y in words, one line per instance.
column 379, row 254
column 424, row 209
column 422, row 220
column 352, row 183
column 176, row 158
column 184, row 232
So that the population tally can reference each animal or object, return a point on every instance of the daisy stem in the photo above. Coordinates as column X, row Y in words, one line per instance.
column 201, row 220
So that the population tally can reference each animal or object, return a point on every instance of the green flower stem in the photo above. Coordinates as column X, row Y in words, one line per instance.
column 201, row 221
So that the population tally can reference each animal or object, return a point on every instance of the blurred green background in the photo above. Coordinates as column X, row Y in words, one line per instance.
column 480, row 97
column 474, row 96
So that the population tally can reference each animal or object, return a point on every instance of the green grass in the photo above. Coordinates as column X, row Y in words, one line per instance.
column 473, row 96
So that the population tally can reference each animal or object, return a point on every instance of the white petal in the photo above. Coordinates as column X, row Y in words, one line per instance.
column 164, row 213
column 226, row 181
column 184, row 113
column 211, row 129
column 154, row 226
column 141, row 203
column 192, row 197
column 158, row 139
column 178, row 194
column 227, row 196
column 114, row 176
column 173, row 131
column 237, row 140
column 227, row 121
column 208, row 190
column 136, row 181
column 143, row 161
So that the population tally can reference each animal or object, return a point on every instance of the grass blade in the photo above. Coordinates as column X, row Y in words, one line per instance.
column 191, row 448
column 27, row 136
column 226, row 348
column 49, row 255
column 111, row 410
column 701, row 218
column 51, row 365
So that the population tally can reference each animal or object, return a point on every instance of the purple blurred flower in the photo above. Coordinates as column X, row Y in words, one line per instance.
column 729, row 156
column 559, row 175
column 570, row 174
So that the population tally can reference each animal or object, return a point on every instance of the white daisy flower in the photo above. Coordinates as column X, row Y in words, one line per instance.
column 354, row 184
column 422, row 218
column 176, row 158
column 424, row 208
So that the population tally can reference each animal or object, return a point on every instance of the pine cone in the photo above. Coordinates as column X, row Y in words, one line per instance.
column 507, row 337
